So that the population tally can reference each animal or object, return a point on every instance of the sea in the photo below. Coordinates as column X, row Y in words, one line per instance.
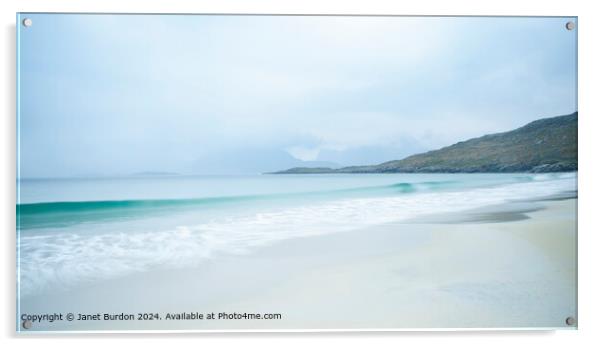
column 78, row 231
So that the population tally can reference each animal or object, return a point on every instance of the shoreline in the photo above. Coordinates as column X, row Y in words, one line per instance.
column 482, row 274
column 329, row 171
column 511, row 211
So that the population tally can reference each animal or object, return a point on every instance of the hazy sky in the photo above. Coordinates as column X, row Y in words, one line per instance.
column 118, row 94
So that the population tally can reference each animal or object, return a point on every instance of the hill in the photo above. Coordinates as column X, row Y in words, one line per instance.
column 545, row 145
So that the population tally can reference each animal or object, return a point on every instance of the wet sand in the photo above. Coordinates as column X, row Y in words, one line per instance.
column 479, row 269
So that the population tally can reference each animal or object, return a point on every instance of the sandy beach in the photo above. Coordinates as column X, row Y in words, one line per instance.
column 208, row 173
column 505, row 266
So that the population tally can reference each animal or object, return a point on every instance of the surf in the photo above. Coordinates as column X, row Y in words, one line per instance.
column 42, row 214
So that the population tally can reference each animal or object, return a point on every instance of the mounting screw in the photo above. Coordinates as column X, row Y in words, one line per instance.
column 570, row 321
column 27, row 324
column 27, row 22
column 570, row 25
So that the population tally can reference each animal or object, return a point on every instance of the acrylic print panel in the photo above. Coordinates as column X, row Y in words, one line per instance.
column 226, row 172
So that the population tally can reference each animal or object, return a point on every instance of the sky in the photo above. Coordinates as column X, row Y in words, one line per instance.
column 103, row 95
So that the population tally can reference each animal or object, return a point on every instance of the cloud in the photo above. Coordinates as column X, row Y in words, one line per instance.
column 105, row 94
column 304, row 153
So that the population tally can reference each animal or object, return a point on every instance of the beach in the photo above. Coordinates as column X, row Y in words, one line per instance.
column 481, row 268
column 209, row 173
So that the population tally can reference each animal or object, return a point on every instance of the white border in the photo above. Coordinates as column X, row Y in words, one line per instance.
column 21, row 330
column 590, row 237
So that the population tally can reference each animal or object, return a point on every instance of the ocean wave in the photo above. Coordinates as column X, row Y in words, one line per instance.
column 64, row 213
column 65, row 257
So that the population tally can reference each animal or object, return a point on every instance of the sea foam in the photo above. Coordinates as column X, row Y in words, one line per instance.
column 64, row 257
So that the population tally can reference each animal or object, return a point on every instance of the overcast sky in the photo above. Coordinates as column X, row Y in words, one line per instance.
column 114, row 95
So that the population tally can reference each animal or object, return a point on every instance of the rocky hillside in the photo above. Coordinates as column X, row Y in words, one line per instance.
column 545, row 145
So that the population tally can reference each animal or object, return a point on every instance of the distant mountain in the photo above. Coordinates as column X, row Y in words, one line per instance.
column 368, row 154
column 249, row 160
column 545, row 145
column 155, row 173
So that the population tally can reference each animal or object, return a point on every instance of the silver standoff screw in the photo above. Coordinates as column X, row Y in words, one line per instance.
column 570, row 321
column 570, row 25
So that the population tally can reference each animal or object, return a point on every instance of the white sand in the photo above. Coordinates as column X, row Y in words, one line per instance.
column 509, row 274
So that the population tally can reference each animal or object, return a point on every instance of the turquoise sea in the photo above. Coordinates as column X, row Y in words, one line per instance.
column 78, row 231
